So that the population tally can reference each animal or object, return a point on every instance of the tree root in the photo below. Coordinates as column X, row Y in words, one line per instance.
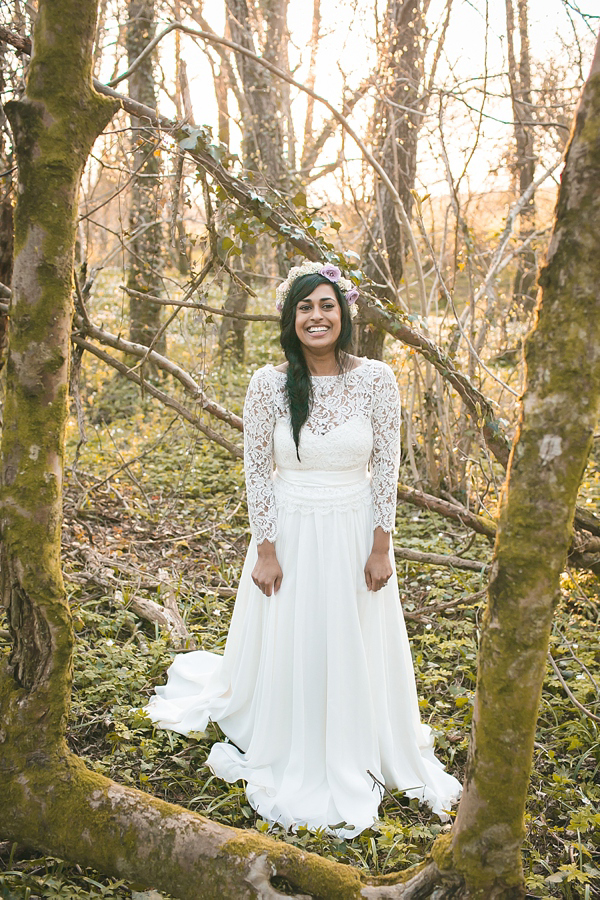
column 60, row 807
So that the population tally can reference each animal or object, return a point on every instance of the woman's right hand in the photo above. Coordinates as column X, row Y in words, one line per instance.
column 267, row 574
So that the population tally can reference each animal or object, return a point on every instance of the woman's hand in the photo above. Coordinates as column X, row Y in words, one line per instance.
column 267, row 574
column 378, row 569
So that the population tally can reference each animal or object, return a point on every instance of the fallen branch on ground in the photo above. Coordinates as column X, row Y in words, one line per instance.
column 480, row 524
column 423, row 613
column 165, row 616
column 440, row 559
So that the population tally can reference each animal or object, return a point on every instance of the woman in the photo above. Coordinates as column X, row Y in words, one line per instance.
column 316, row 689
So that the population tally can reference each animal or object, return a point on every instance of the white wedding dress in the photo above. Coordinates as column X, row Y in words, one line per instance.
column 315, row 690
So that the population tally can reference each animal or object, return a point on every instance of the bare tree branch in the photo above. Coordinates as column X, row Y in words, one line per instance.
column 440, row 559
column 337, row 115
column 248, row 317
column 569, row 692
column 169, row 401
column 480, row 524
column 479, row 406
column 166, row 365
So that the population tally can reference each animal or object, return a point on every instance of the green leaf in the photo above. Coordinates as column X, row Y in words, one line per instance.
column 299, row 199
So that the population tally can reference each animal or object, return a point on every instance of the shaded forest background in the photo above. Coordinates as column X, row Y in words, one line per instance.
column 178, row 225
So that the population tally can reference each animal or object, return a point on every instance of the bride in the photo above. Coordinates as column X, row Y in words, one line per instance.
column 315, row 690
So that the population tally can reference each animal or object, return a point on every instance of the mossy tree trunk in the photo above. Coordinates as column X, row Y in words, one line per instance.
column 54, row 127
column 49, row 800
column 6, row 217
column 559, row 414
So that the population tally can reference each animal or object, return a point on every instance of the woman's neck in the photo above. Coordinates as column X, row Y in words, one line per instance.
column 325, row 364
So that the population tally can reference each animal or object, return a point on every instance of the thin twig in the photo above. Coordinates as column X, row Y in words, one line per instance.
column 569, row 692
column 202, row 306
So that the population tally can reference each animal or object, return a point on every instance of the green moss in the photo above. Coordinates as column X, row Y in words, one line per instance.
column 441, row 852
column 319, row 877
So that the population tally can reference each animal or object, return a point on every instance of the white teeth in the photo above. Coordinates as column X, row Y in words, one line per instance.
column 316, row 328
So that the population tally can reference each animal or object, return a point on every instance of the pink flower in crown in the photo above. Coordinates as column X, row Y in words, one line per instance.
column 352, row 296
column 331, row 272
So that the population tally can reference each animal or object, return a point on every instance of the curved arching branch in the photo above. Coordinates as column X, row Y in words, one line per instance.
column 337, row 115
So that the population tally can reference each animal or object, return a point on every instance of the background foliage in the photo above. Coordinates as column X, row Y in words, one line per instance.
column 151, row 507
column 181, row 510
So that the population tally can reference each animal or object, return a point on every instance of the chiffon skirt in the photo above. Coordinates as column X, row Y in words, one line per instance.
column 315, row 690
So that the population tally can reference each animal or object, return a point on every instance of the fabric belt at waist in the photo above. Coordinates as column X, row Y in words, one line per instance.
column 320, row 478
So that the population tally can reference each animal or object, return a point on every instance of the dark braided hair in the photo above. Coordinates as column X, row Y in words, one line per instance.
column 298, row 386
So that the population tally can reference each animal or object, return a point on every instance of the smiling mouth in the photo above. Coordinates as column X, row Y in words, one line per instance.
column 317, row 329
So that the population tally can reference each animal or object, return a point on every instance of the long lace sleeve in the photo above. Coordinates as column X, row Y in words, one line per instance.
column 259, row 420
column 385, row 458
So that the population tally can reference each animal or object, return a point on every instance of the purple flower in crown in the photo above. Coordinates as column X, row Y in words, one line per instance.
column 330, row 272
column 352, row 296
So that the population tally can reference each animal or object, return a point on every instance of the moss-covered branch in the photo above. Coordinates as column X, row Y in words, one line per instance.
column 65, row 809
column 60, row 807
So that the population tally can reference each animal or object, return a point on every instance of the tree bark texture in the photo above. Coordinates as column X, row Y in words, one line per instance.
column 524, row 285
column 395, row 129
column 558, row 417
column 232, row 330
column 310, row 82
column 6, row 259
column 146, row 249
column 6, row 218
column 263, row 141
column 48, row 798
column 54, row 127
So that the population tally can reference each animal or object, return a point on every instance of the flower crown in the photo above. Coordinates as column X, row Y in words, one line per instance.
column 327, row 270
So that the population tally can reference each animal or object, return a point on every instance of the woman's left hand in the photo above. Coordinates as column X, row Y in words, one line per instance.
column 378, row 569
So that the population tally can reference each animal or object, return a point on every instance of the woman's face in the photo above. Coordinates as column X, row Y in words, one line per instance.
column 319, row 319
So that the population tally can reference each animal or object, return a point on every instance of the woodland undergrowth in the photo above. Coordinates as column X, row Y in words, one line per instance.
column 151, row 506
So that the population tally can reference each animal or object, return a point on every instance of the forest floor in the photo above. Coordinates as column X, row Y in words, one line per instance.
column 151, row 507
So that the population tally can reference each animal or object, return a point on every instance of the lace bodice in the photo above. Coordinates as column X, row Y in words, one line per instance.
column 354, row 421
